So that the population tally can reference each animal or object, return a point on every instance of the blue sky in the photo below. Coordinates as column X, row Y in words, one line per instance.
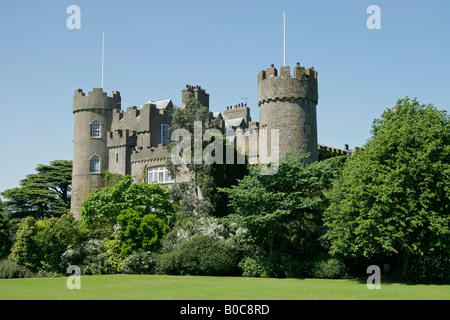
column 154, row 48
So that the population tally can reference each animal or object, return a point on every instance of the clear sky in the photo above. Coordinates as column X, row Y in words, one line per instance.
column 154, row 48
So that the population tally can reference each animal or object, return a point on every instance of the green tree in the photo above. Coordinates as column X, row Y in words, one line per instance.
column 99, row 211
column 139, row 231
column 283, row 212
column 111, row 179
column 199, row 194
column 5, row 243
column 42, row 194
column 393, row 197
column 40, row 243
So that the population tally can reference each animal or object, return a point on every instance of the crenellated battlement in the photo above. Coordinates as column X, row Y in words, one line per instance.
column 300, row 73
column 121, row 138
column 301, row 85
column 240, row 106
column 95, row 99
column 199, row 94
column 151, row 154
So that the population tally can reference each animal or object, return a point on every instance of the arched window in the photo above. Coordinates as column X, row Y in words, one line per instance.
column 95, row 129
column 95, row 164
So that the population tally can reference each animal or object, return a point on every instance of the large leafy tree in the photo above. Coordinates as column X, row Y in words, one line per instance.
column 101, row 210
column 283, row 212
column 45, row 193
column 40, row 243
column 393, row 198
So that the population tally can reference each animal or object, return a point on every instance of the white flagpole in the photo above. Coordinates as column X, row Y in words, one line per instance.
column 103, row 55
column 284, row 38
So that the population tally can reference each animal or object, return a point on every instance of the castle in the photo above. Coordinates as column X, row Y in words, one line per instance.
column 133, row 142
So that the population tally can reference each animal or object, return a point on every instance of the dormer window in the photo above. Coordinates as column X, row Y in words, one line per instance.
column 95, row 129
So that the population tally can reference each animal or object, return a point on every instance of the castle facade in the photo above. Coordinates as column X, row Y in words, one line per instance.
column 134, row 141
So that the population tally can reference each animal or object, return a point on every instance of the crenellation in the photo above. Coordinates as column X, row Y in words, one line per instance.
column 199, row 94
column 262, row 75
column 271, row 72
column 147, row 154
column 95, row 99
column 303, row 85
column 285, row 72
column 119, row 137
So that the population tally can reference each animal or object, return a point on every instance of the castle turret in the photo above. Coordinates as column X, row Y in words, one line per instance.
column 92, row 121
column 199, row 94
column 288, row 103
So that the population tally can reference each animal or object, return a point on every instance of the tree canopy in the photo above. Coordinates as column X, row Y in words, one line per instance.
column 393, row 197
column 199, row 194
column 42, row 194
column 283, row 212
column 102, row 208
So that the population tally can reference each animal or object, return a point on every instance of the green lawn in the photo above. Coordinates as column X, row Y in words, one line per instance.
column 203, row 288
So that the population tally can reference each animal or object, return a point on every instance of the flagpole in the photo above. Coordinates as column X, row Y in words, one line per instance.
column 103, row 55
column 284, row 38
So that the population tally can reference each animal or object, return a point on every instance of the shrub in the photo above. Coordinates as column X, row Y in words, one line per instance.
column 170, row 263
column 201, row 255
column 253, row 268
column 113, row 251
column 430, row 269
column 328, row 268
column 40, row 243
column 140, row 231
column 10, row 269
column 275, row 265
column 139, row 262
column 188, row 227
column 297, row 269
column 89, row 256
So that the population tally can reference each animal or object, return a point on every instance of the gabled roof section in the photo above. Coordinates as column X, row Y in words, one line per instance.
column 161, row 105
column 234, row 122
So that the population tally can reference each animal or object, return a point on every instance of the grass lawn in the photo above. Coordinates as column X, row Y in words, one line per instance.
column 156, row 287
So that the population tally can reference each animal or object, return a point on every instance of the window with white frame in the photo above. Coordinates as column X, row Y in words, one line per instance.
column 164, row 132
column 159, row 174
column 95, row 129
column 94, row 164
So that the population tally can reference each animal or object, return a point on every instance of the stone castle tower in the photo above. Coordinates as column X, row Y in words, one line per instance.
column 92, row 120
column 288, row 103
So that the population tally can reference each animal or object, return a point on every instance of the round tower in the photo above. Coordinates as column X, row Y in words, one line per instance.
column 92, row 122
column 288, row 103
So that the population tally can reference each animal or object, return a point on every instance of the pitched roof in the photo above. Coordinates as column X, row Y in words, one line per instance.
column 162, row 104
